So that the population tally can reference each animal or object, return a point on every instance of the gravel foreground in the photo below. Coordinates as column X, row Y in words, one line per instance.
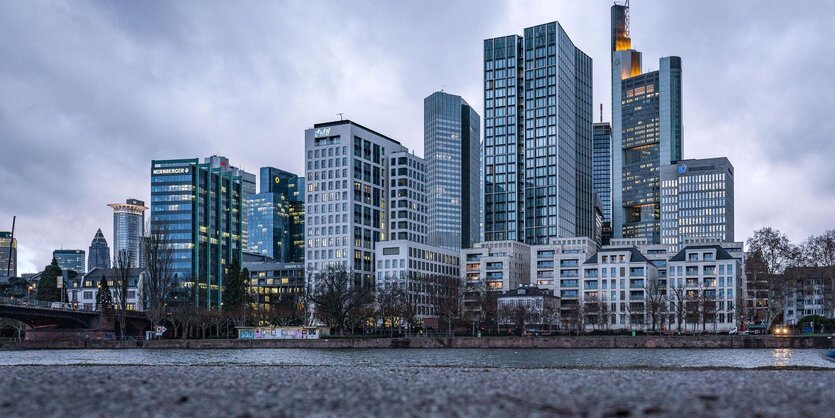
column 279, row 391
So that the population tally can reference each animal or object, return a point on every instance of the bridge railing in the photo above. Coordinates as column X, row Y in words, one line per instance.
column 34, row 303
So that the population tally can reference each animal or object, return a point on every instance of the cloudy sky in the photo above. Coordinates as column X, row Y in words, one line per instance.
column 90, row 93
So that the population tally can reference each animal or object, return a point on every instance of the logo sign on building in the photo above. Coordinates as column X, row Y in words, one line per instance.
column 682, row 168
column 322, row 132
column 180, row 170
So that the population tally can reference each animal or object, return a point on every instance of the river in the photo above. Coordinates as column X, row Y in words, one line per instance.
column 491, row 358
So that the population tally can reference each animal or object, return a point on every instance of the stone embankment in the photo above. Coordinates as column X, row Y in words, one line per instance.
column 571, row 342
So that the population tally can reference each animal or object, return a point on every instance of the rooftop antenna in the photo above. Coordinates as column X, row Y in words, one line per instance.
column 443, row 88
column 340, row 115
column 601, row 112
column 11, row 243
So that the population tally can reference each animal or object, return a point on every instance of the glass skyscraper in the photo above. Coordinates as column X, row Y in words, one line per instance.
column 537, row 137
column 452, row 149
column 70, row 260
column 98, row 255
column 602, row 167
column 8, row 250
column 273, row 217
column 128, row 229
column 199, row 208
column 646, row 133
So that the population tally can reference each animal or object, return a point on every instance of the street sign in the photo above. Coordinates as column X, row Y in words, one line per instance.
column 159, row 330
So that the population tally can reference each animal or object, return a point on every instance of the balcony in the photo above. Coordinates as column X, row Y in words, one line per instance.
column 569, row 263
column 545, row 264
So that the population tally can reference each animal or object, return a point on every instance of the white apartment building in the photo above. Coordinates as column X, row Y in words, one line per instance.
column 556, row 266
column 706, row 290
column 423, row 271
column 82, row 291
column 346, row 202
column 499, row 265
column 615, row 287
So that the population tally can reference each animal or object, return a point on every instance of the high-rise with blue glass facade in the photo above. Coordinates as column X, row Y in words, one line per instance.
column 274, row 224
column 537, row 137
column 646, row 133
column 452, row 150
column 199, row 208
column 602, row 174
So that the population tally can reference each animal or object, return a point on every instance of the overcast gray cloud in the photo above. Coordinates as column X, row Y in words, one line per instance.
column 91, row 92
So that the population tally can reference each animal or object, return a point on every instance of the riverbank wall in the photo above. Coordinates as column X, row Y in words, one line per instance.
column 570, row 342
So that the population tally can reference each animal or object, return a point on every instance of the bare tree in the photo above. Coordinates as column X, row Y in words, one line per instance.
column 771, row 252
column 287, row 310
column 656, row 304
column 159, row 256
column 336, row 295
column 677, row 300
column 576, row 317
column 390, row 298
column 447, row 303
column 550, row 314
column 122, row 267
column 819, row 251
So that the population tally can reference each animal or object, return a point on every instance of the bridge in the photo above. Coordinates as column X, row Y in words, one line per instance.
column 59, row 321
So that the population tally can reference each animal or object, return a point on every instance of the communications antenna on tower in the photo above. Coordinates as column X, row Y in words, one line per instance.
column 340, row 115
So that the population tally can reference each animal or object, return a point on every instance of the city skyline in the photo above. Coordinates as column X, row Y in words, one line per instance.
column 137, row 116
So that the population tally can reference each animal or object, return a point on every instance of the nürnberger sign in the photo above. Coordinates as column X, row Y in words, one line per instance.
column 181, row 170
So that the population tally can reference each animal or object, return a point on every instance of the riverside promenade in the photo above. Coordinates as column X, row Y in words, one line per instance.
column 568, row 342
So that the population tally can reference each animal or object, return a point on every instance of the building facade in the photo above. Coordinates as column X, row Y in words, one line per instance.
column 541, row 307
column 557, row 267
column 8, row 255
column 697, row 201
column 811, row 291
column 346, row 201
column 422, row 271
column 407, row 200
column 83, row 290
column 198, row 208
column 128, row 229
column 272, row 281
column 618, row 288
column 706, row 290
column 276, row 217
column 71, row 260
column 537, row 137
column 452, row 149
column 646, row 133
column 98, row 255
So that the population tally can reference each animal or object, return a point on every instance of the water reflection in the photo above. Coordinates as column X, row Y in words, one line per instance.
column 782, row 356
column 505, row 358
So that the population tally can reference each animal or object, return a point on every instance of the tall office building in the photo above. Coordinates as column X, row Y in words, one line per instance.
column 98, row 254
column 346, row 202
column 697, row 202
column 272, row 221
column 646, row 132
column 8, row 255
column 70, row 260
column 407, row 198
column 537, row 137
column 198, row 207
column 128, row 229
column 602, row 175
column 452, row 149
column 602, row 167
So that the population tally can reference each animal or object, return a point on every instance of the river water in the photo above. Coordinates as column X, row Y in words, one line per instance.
column 503, row 358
